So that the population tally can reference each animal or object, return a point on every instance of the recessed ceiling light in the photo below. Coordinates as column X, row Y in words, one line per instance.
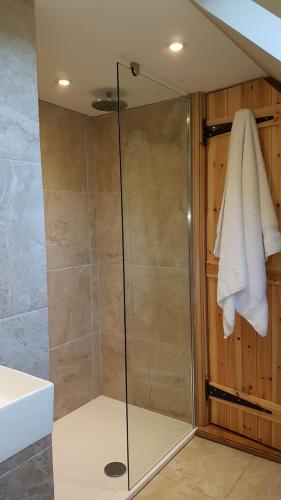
column 63, row 82
column 176, row 46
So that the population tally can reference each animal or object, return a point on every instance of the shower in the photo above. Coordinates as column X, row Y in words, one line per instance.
column 109, row 104
column 119, row 285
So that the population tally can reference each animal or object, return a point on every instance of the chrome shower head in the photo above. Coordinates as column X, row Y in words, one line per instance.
column 109, row 104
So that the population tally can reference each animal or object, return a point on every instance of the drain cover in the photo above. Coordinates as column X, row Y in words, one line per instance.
column 115, row 469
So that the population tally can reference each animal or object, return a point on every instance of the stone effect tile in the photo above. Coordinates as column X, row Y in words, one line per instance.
column 71, row 372
column 103, row 148
column 95, row 302
column 69, row 293
column 17, row 459
column 158, row 305
column 67, row 229
column 22, row 251
column 154, row 160
column 111, row 297
column 113, row 364
column 24, row 342
column 32, row 480
column 260, row 481
column 18, row 117
column 159, row 378
column 63, row 146
column 209, row 468
column 165, row 489
column 96, row 365
column 109, row 228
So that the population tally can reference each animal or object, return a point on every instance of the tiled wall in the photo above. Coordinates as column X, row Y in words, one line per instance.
column 106, row 179
column 154, row 165
column 23, row 292
column 71, row 255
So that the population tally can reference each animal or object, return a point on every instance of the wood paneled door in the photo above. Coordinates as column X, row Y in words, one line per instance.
column 245, row 363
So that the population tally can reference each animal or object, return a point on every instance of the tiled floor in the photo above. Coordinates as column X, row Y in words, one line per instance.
column 204, row 470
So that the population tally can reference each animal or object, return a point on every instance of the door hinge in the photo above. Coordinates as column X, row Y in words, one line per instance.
column 215, row 392
column 222, row 128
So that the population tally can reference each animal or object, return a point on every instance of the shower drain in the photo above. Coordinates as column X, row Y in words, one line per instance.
column 115, row 469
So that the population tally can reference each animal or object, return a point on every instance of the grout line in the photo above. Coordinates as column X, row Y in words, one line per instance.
column 25, row 461
column 69, row 267
column 70, row 191
column 15, row 160
column 24, row 313
column 74, row 340
column 239, row 478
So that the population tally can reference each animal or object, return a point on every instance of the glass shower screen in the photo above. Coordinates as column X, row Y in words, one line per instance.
column 155, row 179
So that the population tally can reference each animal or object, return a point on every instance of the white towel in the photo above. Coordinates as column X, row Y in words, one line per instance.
column 247, row 231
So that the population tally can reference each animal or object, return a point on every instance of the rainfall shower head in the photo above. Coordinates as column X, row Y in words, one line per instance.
column 108, row 103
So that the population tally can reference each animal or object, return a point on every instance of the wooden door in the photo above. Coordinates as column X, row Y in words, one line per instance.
column 245, row 363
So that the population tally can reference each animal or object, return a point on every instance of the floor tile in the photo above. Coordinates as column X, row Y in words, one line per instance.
column 260, row 481
column 165, row 489
column 208, row 467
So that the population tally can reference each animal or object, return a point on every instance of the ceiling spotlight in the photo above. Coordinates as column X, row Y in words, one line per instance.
column 63, row 82
column 176, row 46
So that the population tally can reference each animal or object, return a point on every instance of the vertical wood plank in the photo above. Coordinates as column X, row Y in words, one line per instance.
column 249, row 374
column 276, row 358
column 264, row 374
column 245, row 361
column 275, row 260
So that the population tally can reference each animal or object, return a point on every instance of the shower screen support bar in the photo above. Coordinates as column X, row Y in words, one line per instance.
column 223, row 128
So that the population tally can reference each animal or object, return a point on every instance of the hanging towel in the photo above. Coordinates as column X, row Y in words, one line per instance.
column 247, row 231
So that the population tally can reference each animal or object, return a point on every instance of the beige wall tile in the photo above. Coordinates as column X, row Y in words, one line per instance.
column 71, row 372
column 157, row 227
column 154, row 166
column 109, row 228
column 111, row 297
column 96, row 365
column 63, row 146
column 113, row 364
column 209, row 468
column 93, row 228
column 105, row 153
column 95, row 301
column 69, row 292
column 158, row 307
column 159, row 378
column 67, row 229
column 260, row 481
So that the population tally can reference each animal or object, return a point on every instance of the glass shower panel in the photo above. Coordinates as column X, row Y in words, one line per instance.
column 154, row 159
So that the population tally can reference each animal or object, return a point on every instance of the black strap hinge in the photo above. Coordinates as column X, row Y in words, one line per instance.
column 215, row 392
column 222, row 128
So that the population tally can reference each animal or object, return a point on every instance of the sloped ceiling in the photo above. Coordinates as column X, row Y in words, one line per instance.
column 273, row 5
column 83, row 40
column 269, row 64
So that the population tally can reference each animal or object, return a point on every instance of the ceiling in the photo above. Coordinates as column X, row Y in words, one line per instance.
column 82, row 40
column 273, row 5
column 263, row 59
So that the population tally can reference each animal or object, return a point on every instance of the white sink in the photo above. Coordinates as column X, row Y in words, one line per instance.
column 26, row 410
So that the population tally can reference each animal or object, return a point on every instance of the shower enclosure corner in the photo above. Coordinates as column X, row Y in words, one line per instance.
column 155, row 183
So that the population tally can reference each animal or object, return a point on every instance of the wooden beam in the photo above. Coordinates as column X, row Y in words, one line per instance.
column 276, row 84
